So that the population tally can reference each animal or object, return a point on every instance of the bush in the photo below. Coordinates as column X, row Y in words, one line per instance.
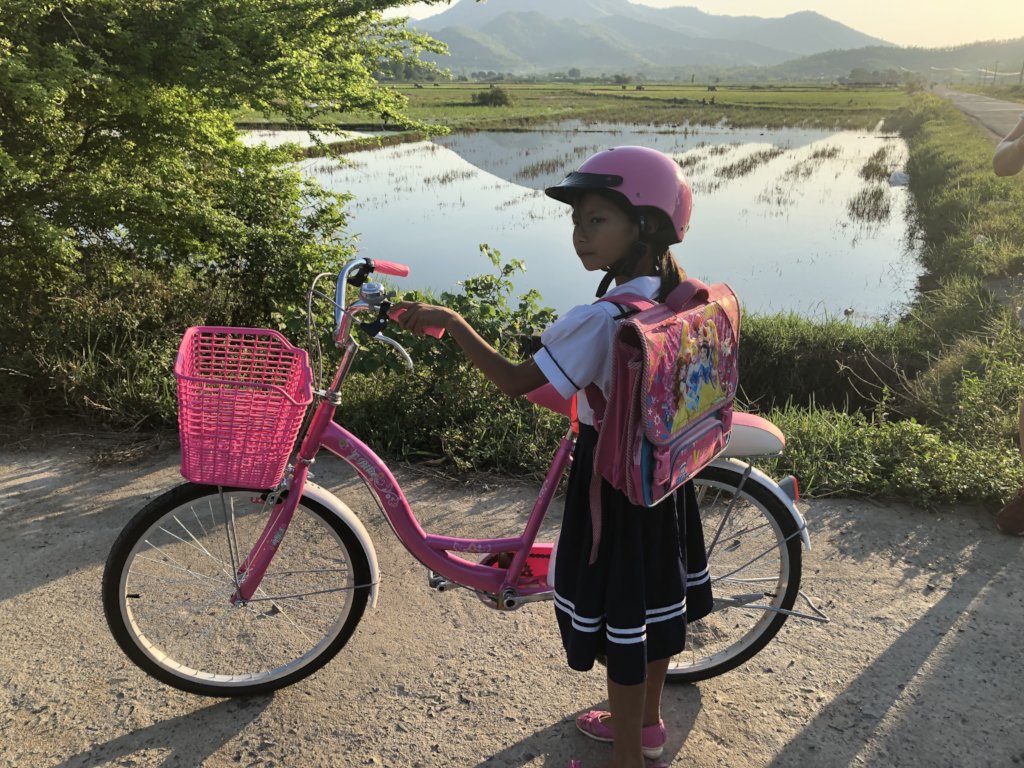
column 101, row 343
column 495, row 96
column 851, row 454
column 833, row 364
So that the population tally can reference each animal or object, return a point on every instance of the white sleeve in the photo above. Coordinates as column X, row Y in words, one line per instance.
column 576, row 349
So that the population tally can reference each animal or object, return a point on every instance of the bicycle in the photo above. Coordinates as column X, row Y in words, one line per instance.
column 250, row 577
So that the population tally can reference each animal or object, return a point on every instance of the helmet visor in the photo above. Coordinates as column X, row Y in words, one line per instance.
column 569, row 188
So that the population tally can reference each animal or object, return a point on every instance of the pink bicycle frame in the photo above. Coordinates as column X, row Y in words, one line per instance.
column 435, row 552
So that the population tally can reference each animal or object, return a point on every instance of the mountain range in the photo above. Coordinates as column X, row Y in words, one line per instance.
column 606, row 36
column 541, row 37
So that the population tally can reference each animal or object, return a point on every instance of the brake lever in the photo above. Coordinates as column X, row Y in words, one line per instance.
column 372, row 328
column 397, row 347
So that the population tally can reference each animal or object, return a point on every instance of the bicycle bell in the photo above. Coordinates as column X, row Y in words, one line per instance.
column 372, row 293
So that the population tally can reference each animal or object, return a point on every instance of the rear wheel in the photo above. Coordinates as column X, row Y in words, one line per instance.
column 170, row 575
column 754, row 559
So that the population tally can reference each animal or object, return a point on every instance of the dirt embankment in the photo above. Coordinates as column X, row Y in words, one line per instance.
column 921, row 665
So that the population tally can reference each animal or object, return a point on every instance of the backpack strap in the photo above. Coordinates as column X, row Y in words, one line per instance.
column 624, row 311
column 687, row 294
column 629, row 304
column 633, row 302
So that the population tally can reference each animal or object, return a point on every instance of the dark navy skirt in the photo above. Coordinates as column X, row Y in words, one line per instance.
column 650, row 576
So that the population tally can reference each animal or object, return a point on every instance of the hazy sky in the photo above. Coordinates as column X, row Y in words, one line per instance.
column 928, row 24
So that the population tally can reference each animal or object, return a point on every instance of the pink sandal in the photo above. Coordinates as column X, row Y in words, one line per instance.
column 652, row 738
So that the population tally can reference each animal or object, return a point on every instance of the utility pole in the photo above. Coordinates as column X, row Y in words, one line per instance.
column 1020, row 80
column 995, row 72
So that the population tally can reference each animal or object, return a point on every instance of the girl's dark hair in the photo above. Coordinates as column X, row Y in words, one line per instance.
column 656, row 244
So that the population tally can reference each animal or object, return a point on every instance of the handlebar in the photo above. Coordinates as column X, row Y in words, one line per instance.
column 356, row 273
column 372, row 297
column 389, row 268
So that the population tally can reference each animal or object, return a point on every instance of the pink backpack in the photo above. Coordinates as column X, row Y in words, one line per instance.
column 669, row 409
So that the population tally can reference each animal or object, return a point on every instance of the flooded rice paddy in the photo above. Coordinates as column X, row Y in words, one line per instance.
column 795, row 220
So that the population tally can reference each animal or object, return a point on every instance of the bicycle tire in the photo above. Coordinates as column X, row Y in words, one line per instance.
column 759, row 543
column 169, row 577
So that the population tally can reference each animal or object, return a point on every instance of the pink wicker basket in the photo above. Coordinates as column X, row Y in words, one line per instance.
column 242, row 395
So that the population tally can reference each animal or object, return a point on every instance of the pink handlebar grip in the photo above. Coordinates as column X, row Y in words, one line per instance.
column 437, row 333
column 390, row 268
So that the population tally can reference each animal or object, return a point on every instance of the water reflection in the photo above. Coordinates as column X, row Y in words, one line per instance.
column 772, row 212
column 276, row 138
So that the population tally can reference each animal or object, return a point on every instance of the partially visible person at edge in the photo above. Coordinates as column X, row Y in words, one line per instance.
column 1008, row 160
column 629, row 604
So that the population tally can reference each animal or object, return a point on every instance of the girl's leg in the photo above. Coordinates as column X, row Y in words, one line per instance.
column 1021, row 428
column 627, row 703
column 656, row 672
column 1010, row 519
column 633, row 708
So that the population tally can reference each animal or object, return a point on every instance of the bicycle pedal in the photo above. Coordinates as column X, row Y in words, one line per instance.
column 437, row 582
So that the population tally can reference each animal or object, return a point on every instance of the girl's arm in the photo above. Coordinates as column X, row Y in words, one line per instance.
column 1009, row 156
column 511, row 378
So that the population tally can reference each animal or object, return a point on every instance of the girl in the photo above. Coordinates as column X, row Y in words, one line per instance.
column 1007, row 161
column 628, row 605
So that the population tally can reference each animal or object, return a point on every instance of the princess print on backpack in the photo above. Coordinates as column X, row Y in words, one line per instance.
column 628, row 575
column 697, row 379
column 704, row 369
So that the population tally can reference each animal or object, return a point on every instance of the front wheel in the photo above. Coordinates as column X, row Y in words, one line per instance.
column 754, row 559
column 169, row 578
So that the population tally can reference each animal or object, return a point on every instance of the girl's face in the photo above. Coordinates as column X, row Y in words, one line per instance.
column 602, row 232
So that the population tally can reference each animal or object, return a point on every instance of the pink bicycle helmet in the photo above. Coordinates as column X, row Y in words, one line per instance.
column 645, row 177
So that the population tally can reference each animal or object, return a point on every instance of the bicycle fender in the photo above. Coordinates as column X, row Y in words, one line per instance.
column 766, row 482
column 753, row 435
column 340, row 509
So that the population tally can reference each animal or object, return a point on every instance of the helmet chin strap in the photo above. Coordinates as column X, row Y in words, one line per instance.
column 624, row 266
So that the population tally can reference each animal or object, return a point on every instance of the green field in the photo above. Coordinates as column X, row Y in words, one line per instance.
column 450, row 105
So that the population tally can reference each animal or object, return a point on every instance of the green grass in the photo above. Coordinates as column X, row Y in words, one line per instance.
column 876, row 168
column 451, row 105
column 1006, row 92
column 789, row 359
column 856, row 454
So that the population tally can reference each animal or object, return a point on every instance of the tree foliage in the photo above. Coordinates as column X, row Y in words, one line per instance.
column 119, row 162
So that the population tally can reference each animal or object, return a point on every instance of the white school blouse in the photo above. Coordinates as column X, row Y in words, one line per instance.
column 576, row 350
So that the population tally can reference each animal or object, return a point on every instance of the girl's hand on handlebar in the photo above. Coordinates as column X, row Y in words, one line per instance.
column 510, row 377
column 424, row 319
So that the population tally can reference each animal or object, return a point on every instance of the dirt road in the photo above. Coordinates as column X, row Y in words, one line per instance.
column 922, row 664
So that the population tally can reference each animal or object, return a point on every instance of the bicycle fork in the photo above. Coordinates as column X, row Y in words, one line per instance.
column 252, row 569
